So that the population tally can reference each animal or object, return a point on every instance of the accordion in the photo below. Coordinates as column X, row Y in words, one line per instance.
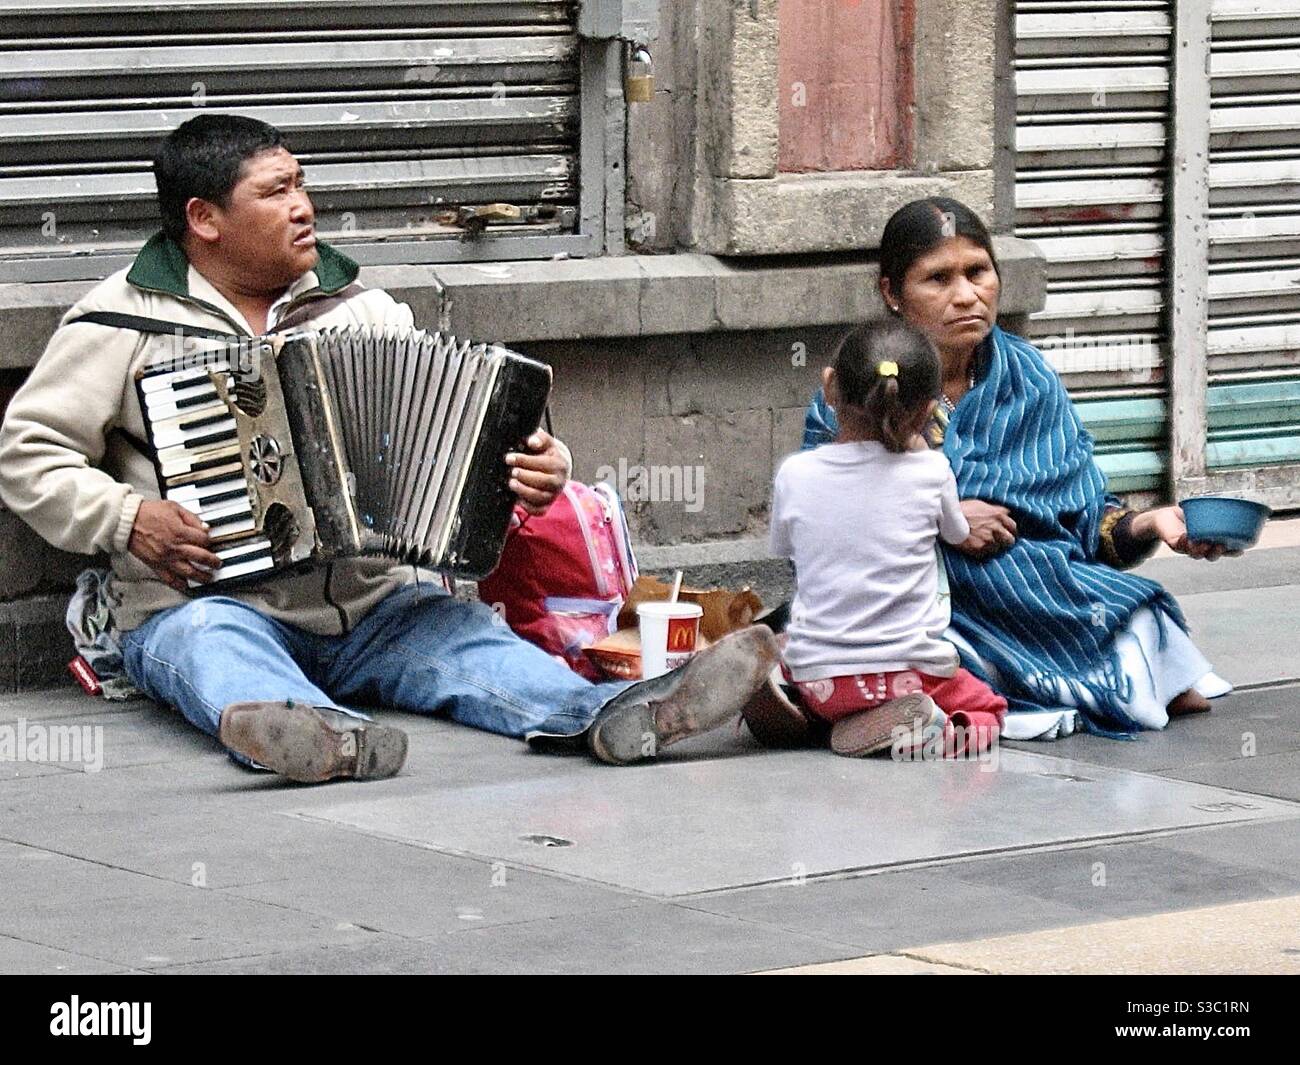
column 311, row 446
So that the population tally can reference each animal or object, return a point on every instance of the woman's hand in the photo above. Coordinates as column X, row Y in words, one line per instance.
column 992, row 528
column 1168, row 525
column 538, row 475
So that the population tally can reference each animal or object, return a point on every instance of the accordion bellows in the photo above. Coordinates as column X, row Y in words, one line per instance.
column 345, row 442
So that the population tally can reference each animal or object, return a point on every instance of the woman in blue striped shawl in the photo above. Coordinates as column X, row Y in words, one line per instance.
column 1041, row 606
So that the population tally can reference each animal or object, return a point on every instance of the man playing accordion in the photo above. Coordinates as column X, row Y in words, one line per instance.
column 275, row 667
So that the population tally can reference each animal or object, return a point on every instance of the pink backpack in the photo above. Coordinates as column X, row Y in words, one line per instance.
column 564, row 576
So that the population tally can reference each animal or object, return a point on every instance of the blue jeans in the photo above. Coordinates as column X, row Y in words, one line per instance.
column 420, row 650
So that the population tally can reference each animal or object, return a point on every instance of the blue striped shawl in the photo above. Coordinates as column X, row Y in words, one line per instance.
column 1044, row 612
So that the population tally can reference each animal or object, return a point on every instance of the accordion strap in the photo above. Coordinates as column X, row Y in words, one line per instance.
column 142, row 324
column 306, row 312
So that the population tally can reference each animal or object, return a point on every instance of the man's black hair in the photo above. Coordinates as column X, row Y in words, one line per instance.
column 203, row 157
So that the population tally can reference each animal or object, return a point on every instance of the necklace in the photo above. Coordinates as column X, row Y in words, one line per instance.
column 948, row 404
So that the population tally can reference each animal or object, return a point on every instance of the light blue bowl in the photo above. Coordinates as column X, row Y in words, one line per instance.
column 1234, row 523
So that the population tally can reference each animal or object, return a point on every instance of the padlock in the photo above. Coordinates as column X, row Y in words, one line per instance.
column 639, row 86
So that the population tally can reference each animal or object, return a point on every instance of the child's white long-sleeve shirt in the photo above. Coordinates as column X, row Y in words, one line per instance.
column 861, row 523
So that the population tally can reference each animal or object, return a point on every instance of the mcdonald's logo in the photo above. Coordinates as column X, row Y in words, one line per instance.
column 681, row 634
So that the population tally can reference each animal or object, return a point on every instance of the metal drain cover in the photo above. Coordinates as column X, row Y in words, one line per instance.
column 548, row 841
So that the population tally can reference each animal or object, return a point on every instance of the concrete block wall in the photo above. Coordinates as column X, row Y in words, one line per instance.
column 722, row 55
column 34, row 643
column 35, row 579
column 29, row 566
column 729, row 406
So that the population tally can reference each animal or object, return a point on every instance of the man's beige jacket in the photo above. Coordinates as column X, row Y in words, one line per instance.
column 78, row 482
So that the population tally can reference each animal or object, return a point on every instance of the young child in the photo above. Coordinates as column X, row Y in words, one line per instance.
column 859, row 518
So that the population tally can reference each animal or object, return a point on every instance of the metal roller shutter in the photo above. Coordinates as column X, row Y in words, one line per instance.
column 1096, row 99
column 1254, row 234
column 1092, row 93
column 401, row 111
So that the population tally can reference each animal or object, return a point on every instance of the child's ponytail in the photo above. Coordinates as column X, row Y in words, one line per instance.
column 888, row 370
column 891, row 415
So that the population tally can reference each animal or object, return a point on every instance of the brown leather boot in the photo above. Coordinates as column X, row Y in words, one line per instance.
column 705, row 693
column 312, row 744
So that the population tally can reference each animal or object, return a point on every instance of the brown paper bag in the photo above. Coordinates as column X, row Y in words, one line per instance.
column 724, row 611
column 619, row 655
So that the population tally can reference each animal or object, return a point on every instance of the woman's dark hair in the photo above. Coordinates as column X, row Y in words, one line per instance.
column 203, row 157
column 888, row 401
column 921, row 226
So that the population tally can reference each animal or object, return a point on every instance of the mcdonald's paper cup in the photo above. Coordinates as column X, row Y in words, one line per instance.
column 669, row 633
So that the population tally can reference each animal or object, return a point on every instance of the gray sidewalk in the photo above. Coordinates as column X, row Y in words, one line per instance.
column 482, row 857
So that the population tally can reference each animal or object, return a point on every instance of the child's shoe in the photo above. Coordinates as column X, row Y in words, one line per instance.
column 871, row 731
column 926, row 739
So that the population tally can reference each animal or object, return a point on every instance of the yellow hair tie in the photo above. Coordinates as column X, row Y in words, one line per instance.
column 887, row 369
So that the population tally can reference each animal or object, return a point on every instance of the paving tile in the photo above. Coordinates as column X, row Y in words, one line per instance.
column 20, row 958
column 1243, row 632
column 33, row 874
column 201, row 846
column 647, row 829
column 892, row 909
column 293, row 887
column 1277, row 775
column 416, row 892
column 377, row 955
column 1271, row 845
column 646, row 938
column 1265, row 721
column 1255, row 569
column 874, row 965
column 63, row 702
column 1260, row 937
column 161, row 923
column 92, row 743
column 19, row 771
column 1127, row 878
column 137, row 732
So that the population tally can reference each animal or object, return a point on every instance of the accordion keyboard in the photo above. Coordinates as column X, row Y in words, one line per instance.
column 200, row 464
column 346, row 442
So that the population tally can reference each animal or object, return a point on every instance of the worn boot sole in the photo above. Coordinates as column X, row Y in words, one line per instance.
column 870, row 731
column 292, row 739
column 707, row 692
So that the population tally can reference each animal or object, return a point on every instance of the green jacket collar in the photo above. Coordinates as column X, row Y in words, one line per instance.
column 161, row 266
